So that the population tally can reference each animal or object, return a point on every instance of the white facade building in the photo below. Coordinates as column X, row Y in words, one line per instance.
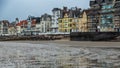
column 45, row 23
column 56, row 14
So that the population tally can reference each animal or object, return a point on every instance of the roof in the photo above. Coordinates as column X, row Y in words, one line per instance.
column 45, row 16
column 56, row 9
column 72, row 13
column 23, row 22
column 4, row 21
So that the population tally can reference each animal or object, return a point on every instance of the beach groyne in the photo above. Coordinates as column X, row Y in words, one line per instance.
column 36, row 37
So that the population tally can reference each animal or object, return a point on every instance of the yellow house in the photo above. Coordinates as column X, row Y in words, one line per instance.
column 67, row 24
column 83, row 22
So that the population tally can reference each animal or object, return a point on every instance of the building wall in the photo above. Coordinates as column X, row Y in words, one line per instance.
column 46, row 22
column 38, row 27
column 106, row 18
column 117, row 16
column 45, row 26
column 4, row 25
column 12, row 31
column 83, row 23
column 65, row 24
column 54, row 25
column 18, row 29
column 106, row 11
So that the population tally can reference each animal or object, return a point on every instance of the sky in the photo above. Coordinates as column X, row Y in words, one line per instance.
column 11, row 9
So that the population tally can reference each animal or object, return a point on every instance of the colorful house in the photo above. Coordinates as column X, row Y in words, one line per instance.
column 21, row 27
column 69, row 20
column 65, row 24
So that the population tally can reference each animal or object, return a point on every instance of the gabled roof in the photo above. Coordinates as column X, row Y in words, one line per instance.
column 23, row 22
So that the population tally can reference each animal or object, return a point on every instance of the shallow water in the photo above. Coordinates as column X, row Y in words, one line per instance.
column 26, row 55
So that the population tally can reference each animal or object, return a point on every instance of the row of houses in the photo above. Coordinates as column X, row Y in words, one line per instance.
column 102, row 16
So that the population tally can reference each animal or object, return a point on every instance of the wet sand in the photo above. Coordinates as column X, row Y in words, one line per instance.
column 59, row 54
column 75, row 43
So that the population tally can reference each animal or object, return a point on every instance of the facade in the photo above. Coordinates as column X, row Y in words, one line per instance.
column 65, row 24
column 117, row 15
column 107, row 16
column 32, row 21
column 69, row 20
column 74, row 13
column 12, row 28
column 4, row 25
column 105, row 9
column 34, row 26
column 93, row 21
column 56, row 14
column 45, row 24
column 26, row 27
column 38, row 24
column 83, row 22
column 21, row 27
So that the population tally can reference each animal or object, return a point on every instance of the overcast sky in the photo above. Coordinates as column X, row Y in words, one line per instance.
column 10, row 9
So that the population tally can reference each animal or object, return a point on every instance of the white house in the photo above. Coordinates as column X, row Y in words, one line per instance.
column 56, row 14
column 45, row 23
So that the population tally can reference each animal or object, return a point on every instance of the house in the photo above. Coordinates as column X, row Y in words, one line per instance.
column 46, row 21
column 65, row 24
column 4, row 25
column 21, row 27
column 69, row 20
column 12, row 28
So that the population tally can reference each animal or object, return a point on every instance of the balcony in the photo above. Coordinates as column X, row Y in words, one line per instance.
column 117, row 19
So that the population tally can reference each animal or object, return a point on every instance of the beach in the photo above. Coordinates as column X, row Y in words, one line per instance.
column 59, row 54
column 75, row 43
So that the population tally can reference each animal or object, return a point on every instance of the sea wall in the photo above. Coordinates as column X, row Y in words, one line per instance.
column 93, row 36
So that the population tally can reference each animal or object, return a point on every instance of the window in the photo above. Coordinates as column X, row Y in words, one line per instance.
column 60, row 21
column 70, row 20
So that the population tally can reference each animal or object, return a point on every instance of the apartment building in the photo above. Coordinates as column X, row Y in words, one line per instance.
column 55, row 15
